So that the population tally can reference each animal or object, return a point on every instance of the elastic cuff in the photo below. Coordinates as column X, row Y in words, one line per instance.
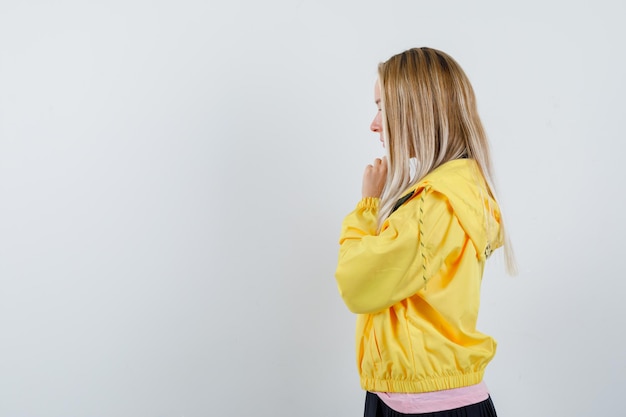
column 369, row 203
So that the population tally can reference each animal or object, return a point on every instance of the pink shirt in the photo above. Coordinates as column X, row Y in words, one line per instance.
column 429, row 402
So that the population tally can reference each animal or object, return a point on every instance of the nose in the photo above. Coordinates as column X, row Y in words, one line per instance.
column 376, row 125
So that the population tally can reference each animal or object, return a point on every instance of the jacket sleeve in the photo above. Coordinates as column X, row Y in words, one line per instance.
column 376, row 271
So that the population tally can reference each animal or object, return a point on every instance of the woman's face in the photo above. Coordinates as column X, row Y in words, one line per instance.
column 377, row 125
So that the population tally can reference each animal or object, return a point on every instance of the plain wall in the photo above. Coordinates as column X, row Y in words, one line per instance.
column 173, row 176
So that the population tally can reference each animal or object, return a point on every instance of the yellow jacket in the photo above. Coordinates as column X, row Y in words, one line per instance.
column 416, row 285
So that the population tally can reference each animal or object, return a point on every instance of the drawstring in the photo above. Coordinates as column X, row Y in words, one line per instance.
column 398, row 204
column 421, row 229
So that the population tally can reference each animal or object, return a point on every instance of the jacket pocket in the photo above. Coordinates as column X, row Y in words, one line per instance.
column 370, row 357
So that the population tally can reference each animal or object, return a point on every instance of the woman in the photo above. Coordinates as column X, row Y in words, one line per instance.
column 413, row 251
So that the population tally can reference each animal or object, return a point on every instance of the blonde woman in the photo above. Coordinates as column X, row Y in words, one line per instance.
column 413, row 251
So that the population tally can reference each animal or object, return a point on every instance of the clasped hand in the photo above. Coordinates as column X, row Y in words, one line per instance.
column 374, row 178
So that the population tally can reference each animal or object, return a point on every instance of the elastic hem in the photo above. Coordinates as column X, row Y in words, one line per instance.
column 424, row 385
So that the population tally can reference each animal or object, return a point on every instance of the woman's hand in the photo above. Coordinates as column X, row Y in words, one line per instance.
column 374, row 178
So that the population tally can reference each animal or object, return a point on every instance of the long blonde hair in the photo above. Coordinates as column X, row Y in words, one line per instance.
column 429, row 117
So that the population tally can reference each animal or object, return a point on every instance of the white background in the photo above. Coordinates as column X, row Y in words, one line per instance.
column 173, row 175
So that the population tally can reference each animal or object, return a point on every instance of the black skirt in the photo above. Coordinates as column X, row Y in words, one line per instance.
column 375, row 407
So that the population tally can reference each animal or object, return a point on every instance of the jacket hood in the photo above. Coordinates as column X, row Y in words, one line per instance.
column 464, row 186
